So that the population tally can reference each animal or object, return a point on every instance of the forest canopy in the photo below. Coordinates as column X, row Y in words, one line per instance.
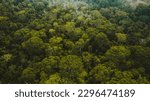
column 74, row 41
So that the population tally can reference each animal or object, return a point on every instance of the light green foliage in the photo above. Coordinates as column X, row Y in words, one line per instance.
column 57, row 79
column 55, row 40
column 50, row 65
column 28, row 75
column 96, row 14
column 67, row 17
column 127, row 77
column 54, row 46
column 3, row 18
column 52, row 31
column 40, row 33
column 43, row 77
column 71, row 67
column 69, row 45
column 81, row 43
column 34, row 43
column 120, row 78
column 22, row 34
column 122, row 38
column 69, row 27
column 37, row 24
column 54, row 79
column 87, row 60
column 100, row 74
column 119, row 55
column 7, row 57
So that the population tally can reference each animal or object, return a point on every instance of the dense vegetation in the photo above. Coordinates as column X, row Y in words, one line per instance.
column 71, row 41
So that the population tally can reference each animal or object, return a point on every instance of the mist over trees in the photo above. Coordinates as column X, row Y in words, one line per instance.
column 74, row 41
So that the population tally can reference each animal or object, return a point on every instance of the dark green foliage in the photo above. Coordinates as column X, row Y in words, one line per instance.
column 74, row 41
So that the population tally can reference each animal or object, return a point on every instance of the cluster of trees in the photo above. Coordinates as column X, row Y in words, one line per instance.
column 42, row 41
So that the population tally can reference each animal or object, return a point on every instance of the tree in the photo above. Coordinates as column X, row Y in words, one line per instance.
column 89, row 61
column 100, row 74
column 54, row 79
column 121, row 38
column 21, row 35
column 33, row 46
column 100, row 43
column 7, row 57
column 28, row 75
column 120, row 56
column 127, row 77
column 50, row 64
column 7, row 71
column 55, row 46
column 70, row 28
column 140, row 55
column 71, row 67
column 69, row 46
column 81, row 44
column 43, row 77
column 57, row 79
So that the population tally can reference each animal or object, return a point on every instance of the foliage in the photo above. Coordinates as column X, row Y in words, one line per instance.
column 74, row 41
